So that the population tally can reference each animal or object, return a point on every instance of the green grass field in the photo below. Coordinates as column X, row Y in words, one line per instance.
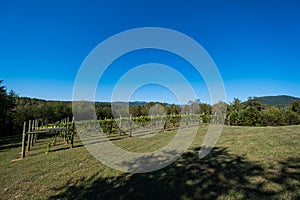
column 247, row 163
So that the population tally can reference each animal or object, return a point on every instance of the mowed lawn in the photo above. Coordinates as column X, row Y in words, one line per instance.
column 246, row 163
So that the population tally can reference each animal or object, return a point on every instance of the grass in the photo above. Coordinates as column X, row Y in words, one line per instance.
column 247, row 163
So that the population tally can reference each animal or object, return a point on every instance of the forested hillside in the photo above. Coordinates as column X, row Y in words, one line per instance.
column 277, row 100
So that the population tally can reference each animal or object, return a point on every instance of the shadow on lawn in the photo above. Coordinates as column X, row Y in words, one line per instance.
column 220, row 173
column 10, row 142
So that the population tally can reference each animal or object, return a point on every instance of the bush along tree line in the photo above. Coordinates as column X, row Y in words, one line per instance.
column 14, row 110
column 253, row 113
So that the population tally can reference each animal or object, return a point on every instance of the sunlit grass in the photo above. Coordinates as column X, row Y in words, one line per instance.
column 248, row 162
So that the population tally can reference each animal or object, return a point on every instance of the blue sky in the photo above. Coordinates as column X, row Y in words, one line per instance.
column 255, row 44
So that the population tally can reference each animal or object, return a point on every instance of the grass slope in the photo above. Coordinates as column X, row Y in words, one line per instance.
column 247, row 163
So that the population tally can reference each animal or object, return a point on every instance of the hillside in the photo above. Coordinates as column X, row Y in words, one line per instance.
column 277, row 100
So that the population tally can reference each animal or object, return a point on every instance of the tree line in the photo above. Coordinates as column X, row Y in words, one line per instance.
column 14, row 110
column 253, row 113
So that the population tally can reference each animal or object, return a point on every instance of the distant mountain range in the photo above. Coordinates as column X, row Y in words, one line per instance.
column 137, row 102
column 267, row 100
column 276, row 100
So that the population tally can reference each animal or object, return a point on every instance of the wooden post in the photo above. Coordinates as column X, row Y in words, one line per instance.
column 29, row 136
column 130, row 126
column 32, row 139
column 111, row 125
column 23, row 140
column 36, row 128
column 152, row 122
column 120, row 125
column 165, row 121
column 72, row 133
column 63, row 133
column 186, row 120
column 67, row 131
column 33, row 135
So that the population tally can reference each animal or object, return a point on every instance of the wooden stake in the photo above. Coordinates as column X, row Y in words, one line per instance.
column 130, row 126
column 120, row 125
column 29, row 136
column 23, row 140
column 111, row 125
column 36, row 128
column 72, row 133
column 32, row 136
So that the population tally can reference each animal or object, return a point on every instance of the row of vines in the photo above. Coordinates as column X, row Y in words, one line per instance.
column 134, row 125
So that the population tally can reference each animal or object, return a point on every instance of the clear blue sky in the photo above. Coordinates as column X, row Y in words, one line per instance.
column 255, row 44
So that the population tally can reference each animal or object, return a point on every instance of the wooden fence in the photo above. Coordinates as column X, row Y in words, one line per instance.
column 31, row 131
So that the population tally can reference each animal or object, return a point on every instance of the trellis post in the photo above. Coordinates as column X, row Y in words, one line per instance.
column 36, row 128
column 120, row 125
column 72, row 132
column 130, row 125
column 29, row 136
column 32, row 136
column 23, row 140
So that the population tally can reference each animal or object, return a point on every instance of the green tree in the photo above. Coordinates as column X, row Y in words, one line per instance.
column 295, row 106
column 205, row 108
column 236, row 105
column 195, row 106
column 249, row 117
column 7, row 103
column 272, row 117
column 233, row 118
column 291, row 118
column 135, row 110
column 174, row 109
column 253, row 102
column 219, row 112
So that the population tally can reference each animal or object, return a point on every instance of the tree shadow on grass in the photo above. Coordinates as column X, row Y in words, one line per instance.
column 288, row 177
column 220, row 174
column 10, row 142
